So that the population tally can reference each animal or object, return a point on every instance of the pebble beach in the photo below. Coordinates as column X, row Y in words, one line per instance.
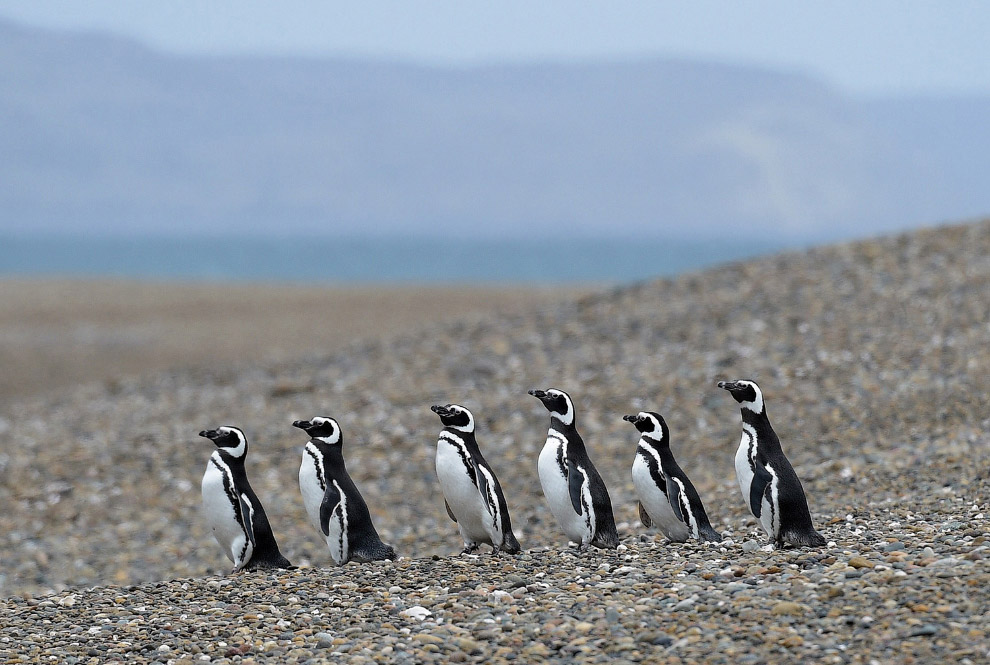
column 874, row 359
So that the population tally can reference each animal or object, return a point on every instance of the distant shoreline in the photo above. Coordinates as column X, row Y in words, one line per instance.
column 564, row 259
column 55, row 333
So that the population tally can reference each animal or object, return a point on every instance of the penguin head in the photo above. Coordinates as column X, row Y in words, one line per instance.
column 558, row 403
column 650, row 424
column 455, row 416
column 747, row 393
column 228, row 439
column 324, row 429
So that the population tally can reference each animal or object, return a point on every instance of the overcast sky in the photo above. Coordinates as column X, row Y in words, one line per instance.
column 867, row 47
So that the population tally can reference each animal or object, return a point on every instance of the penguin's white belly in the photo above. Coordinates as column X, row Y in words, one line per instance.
column 744, row 472
column 557, row 493
column 222, row 518
column 656, row 503
column 462, row 496
column 312, row 492
column 337, row 539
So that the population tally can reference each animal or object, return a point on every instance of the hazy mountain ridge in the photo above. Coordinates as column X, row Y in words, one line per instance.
column 101, row 132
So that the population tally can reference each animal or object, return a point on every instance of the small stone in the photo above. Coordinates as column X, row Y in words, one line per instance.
column 787, row 608
column 659, row 639
column 426, row 638
column 860, row 562
column 924, row 630
column 416, row 612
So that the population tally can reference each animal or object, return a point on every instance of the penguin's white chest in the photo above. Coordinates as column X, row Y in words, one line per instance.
column 553, row 478
column 219, row 495
column 654, row 500
column 744, row 459
column 310, row 485
column 455, row 471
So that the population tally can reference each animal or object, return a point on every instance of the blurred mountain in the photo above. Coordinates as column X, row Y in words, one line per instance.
column 101, row 134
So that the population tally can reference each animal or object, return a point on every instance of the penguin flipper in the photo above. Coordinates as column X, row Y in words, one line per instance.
column 331, row 499
column 644, row 516
column 247, row 514
column 674, row 497
column 449, row 511
column 483, row 487
column 575, row 480
column 761, row 479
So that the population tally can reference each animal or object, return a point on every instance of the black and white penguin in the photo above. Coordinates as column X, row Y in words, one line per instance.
column 332, row 500
column 232, row 508
column 767, row 480
column 666, row 495
column 471, row 491
column 572, row 485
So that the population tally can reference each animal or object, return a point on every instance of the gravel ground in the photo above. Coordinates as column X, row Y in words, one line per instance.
column 873, row 358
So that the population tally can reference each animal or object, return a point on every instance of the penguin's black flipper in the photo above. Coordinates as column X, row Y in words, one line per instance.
column 644, row 516
column 449, row 511
column 761, row 479
column 331, row 499
column 483, row 487
column 247, row 514
column 575, row 480
column 674, row 497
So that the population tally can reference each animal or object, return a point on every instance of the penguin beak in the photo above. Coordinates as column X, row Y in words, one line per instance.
column 301, row 424
column 728, row 385
column 209, row 434
column 538, row 394
column 631, row 419
column 441, row 411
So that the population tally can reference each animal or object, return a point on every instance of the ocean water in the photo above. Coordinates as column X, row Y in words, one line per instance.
column 367, row 260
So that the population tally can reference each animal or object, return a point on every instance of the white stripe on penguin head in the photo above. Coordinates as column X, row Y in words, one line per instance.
column 567, row 417
column 469, row 427
column 334, row 438
column 240, row 450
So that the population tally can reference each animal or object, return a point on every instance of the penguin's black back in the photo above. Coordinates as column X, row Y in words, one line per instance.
column 364, row 538
column 509, row 543
column 266, row 553
column 673, row 470
column 606, row 535
column 796, row 526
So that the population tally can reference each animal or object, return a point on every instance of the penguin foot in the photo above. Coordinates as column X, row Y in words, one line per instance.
column 470, row 548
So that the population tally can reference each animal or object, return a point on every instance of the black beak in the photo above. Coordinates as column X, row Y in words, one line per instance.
column 727, row 385
column 441, row 411
column 538, row 394
column 209, row 433
column 301, row 424
column 631, row 419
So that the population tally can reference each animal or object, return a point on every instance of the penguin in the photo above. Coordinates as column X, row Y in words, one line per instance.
column 768, row 483
column 571, row 484
column 232, row 508
column 333, row 502
column 471, row 492
column 667, row 496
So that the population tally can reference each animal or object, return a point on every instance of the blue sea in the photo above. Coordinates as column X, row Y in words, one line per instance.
column 366, row 260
